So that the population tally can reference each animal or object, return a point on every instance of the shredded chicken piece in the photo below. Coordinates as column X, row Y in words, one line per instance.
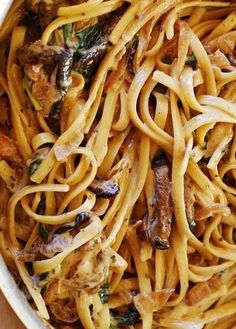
column 226, row 44
column 196, row 259
column 200, row 228
column 62, row 151
column 43, row 89
column 61, row 303
column 9, row 150
column 120, row 298
column 215, row 208
column 48, row 68
column 30, row 254
column 152, row 301
column 90, row 266
column 220, row 60
column 12, row 168
column 216, row 134
column 202, row 290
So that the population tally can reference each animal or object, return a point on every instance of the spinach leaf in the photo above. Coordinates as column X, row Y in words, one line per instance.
column 104, row 293
column 167, row 60
column 130, row 317
column 113, row 327
column 82, row 40
column 43, row 232
column 88, row 37
column 68, row 34
column 34, row 166
column 27, row 86
column 191, row 60
column 55, row 113
column 41, row 206
column 87, row 70
column 88, row 46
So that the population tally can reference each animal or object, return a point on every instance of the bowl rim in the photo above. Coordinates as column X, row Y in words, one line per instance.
column 5, row 6
column 9, row 288
column 18, row 301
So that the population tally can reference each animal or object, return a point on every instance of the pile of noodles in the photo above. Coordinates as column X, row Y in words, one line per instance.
column 178, row 101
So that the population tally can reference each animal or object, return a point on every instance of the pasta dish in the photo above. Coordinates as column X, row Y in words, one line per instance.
column 117, row 161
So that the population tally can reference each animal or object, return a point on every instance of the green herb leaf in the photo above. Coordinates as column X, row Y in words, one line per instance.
column 167, row 61
column 87, row 37
column 27, row 86
column 87, row 70
column 69, row 37
column 41, row 206
column 104, row 293
column 34, row 166
column 67, row 33
column 130, row 317
column 112, row 326
column 43, row 232
column 191, row 60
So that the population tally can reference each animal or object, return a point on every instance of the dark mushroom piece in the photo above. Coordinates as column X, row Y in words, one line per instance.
column 47, row 76
column 104, row 188
column 50, row 57
column 81, row 219
column 158, row 228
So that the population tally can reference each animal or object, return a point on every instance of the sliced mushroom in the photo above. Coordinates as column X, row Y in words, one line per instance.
column 104, row 188
column 73, row 227
column 158, row 228
column 47, row 79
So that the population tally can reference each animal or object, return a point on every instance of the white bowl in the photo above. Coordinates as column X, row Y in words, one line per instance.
column 18, row 301
column 13, row 294
column 4, row 7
